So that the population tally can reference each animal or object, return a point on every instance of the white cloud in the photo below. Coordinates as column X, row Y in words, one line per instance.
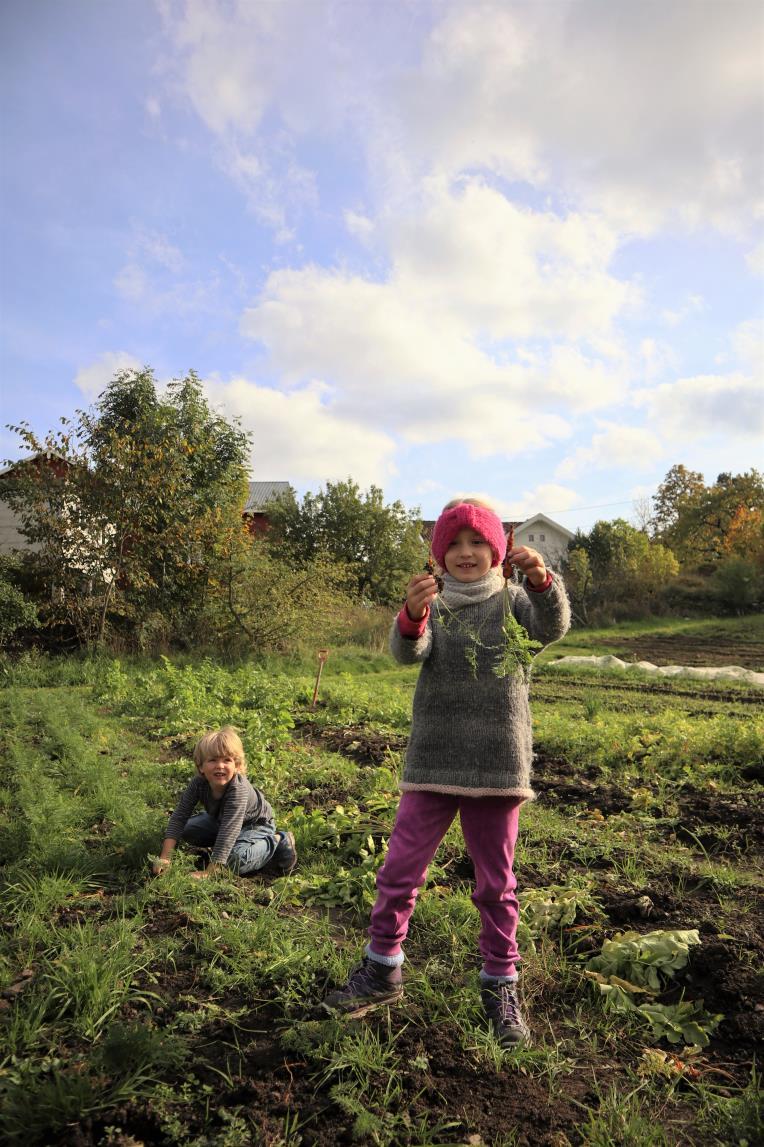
column 155, row 276
column 359, row 226
column 506, row 270
column 755, row 259
column 708, row 404
column 657, row 357
column 590, row 98
column 158, row 249
column 481, row 332
column 693, row 305
column 747, row 340
column 252, row 74
column 93, row 379
column 614, row 447
column 597, row 98
column 547, row 498
column 729, row 404
column 300, row 435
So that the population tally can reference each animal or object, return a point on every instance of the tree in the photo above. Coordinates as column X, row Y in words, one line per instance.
column 625, row 565
column 745, row 536
column 578, row 577
column 675, row 504
column 129, row 521
column 267, row 603
column 379, row 545
column 724, row 508
column 16, row 611
column 696, row 520
column 738, row 583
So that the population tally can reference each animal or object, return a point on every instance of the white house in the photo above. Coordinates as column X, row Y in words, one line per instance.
column 548, row 537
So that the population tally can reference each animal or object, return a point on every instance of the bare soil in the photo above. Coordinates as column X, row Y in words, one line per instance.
column 685, row 649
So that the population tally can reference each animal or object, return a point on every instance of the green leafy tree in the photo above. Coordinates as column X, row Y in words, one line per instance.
column 578, row 578
column 129, row 513
column 378, row 545
column 265, row 603
column 697, row 521
column 625, row 566
column 738, row 584
column 17, row 612
column 675, row 504
column 730, row 499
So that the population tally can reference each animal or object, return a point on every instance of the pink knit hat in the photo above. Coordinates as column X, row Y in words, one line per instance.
column 467, row 516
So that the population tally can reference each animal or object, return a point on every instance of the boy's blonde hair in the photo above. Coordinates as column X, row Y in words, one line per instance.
column 226, row 742
column 470, row 501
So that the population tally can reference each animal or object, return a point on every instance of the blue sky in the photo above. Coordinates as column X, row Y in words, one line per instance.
column 504, row 248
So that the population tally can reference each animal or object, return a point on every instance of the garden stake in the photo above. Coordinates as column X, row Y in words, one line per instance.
column 322, row 656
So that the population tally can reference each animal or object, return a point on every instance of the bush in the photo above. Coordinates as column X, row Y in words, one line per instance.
column 16, row 611
column 737, row 585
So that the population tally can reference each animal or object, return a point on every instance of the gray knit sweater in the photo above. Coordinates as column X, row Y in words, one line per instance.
column 471, row 730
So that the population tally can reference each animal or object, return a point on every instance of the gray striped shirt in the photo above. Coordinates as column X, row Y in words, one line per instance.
column 240, row 806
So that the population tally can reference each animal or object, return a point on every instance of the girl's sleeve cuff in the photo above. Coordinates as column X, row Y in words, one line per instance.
column 544, row 585
column 408, row 627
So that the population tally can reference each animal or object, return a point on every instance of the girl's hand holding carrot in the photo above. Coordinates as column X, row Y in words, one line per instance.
column 529, row 562
column 421, row 590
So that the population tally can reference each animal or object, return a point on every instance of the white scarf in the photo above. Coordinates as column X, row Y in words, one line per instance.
column 456, row 594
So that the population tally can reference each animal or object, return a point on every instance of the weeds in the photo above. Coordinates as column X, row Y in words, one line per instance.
column 155, row 1007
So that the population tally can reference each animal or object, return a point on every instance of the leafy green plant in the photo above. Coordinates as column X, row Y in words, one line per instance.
column 646, row 961
column 555, row 907
column 686, row 1021
column 633, row 965
column 514, row 654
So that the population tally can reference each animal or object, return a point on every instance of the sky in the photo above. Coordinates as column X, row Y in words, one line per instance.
column 508, row 248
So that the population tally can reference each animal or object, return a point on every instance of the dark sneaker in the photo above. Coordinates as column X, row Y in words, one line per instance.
column 370, row 985
column 285, row 857
column 502, row 1007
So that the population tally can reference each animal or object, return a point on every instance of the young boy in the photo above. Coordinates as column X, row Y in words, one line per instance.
column 238, row 822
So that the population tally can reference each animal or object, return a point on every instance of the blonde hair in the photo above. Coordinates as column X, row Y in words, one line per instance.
column 225, row 742
column 482, row 502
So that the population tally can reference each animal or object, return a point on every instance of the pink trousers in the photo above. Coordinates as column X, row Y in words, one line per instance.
column 490, row 828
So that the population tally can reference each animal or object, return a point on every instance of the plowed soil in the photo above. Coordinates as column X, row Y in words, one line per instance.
column 682, row 649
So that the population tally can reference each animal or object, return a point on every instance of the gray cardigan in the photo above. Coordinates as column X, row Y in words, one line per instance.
column 471, row 730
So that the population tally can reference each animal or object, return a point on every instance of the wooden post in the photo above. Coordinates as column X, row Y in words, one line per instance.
column 322, row 656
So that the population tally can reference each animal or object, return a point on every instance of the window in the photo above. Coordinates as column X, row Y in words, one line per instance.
column 530, row 537
column 542, row 537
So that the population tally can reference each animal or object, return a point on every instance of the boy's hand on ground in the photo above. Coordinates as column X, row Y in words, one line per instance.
column 420, row 592
column 211, row 870
column 160, row 866
column 529, row 562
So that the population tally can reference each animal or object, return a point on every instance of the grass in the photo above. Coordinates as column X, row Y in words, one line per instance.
column 179, row 1011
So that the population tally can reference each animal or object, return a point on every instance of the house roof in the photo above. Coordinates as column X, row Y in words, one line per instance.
column 261, row 493
column 47, row 455
column 544, row 520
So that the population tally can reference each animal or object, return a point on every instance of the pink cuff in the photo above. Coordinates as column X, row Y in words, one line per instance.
column 407, row 627
column 543, row 586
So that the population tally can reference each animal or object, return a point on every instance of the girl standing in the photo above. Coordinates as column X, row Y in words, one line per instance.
column 469, row 751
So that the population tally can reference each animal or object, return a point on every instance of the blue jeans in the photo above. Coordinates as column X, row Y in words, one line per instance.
column 253, row 847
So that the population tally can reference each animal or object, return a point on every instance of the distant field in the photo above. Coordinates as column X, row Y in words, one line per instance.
column 168, row 1011
column 738, row 641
